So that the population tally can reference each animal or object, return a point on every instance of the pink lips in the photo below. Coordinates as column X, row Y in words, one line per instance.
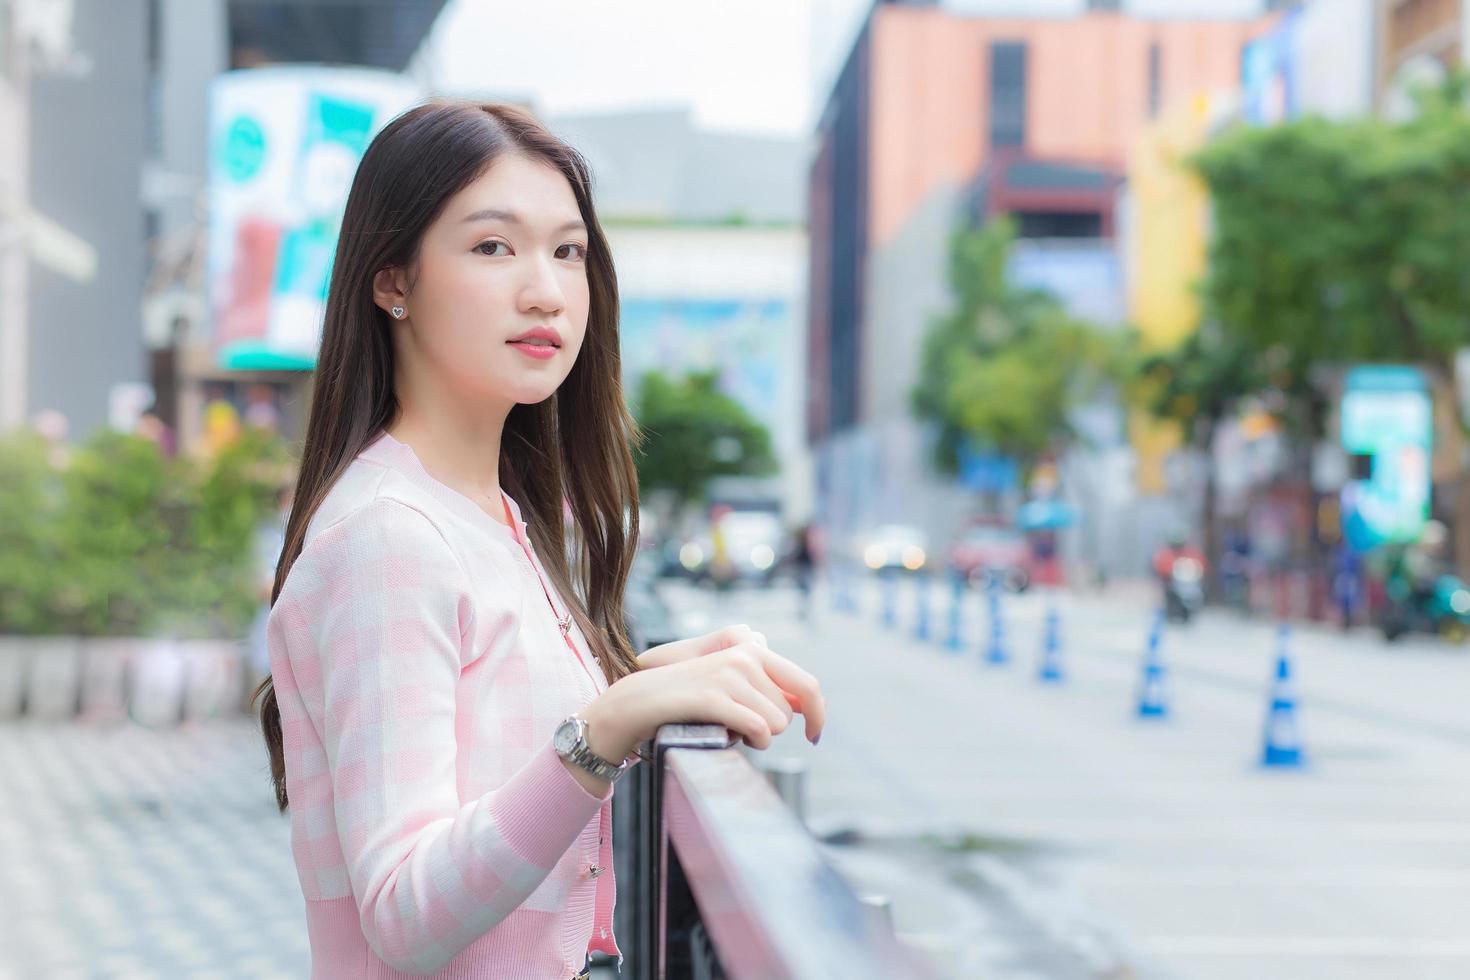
column 542, row 352
column 541, row 343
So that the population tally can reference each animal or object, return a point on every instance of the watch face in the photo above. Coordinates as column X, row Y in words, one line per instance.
column 566, row 737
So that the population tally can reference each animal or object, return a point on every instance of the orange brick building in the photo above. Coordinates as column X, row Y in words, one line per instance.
column 936, row 116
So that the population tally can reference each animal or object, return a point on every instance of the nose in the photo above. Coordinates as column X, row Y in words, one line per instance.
column 541, row 292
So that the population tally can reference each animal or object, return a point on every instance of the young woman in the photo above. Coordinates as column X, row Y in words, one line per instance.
column 453, row 693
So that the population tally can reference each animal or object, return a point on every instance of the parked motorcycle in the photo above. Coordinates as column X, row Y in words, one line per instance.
column 1184, row 589
column 1442, row 609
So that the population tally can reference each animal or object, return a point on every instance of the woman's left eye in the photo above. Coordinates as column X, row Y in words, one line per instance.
column 581, row 249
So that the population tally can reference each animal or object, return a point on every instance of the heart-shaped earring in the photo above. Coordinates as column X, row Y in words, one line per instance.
column 397, row 312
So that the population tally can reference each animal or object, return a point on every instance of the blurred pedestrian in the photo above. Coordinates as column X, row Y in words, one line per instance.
column 803, row 563
column 152, row 427
column 1235, row 568
column 1347, row 582
column 221, row 426
column 721, row 564
column 260, row 408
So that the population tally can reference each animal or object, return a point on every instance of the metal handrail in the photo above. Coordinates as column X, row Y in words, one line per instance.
column 723, row 881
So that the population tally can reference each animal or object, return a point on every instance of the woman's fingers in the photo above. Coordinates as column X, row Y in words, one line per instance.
column 745, row 721
column 734, row 636
column 801, row 690
column 764, row 698
column 773, row 688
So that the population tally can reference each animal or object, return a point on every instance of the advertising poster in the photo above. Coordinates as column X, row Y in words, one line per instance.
column 284, row 145
column 1388, row 431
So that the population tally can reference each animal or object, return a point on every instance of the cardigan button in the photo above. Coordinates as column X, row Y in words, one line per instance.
column 593, row 871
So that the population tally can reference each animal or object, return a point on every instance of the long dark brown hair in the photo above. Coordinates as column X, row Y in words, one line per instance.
column 574, row 446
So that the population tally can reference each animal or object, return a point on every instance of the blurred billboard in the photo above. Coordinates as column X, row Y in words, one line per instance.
column 1388, row 426
column 1317, row 60
column 284, row 144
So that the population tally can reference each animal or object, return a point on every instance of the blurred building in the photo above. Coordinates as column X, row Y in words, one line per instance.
column 1315, row 59
column 965, row 110
column 198, row 40
column 1318, row 59
column 707, row 231
column 71, row 223
column 103, row 165
column 1419, row 42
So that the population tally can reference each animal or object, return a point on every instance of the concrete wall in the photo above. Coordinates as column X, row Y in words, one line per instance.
column 193, row 48
column 87, row 148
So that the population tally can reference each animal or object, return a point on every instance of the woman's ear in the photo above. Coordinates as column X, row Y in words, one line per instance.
column 390, row 292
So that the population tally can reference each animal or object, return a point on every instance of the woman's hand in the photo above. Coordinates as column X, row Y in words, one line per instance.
column 743, row 686
column 698, row 646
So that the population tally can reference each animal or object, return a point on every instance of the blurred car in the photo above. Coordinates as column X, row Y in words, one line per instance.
column 987, row 553
column 753, row 542
column 896, row 546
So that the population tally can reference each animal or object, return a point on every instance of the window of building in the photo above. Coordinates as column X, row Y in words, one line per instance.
column 1058, row 224
column 1008, row 93
column 1155, row 78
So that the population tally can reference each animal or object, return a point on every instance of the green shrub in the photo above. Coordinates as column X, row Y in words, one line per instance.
column 122, row 541
column 29, row 500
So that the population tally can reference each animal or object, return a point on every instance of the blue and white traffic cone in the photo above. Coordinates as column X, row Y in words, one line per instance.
column 1153, row 700
column 996, row 653
column 1050, row 671
column 921, row 607
column 889, row 585
column 1283, row 741
column 955, row 642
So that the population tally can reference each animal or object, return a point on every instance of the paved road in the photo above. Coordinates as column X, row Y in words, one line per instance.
column 128, row 853
column 132, row 853
column 1021, row 831
column 1091, row 844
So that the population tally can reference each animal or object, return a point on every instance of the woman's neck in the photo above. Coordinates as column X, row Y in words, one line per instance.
column 464, row 458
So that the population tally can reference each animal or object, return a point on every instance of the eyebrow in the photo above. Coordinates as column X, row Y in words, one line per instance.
column 510, row 217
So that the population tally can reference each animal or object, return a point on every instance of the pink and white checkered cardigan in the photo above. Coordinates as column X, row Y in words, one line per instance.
column 420, row 672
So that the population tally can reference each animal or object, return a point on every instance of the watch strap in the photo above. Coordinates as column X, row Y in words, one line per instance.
column 582, row 756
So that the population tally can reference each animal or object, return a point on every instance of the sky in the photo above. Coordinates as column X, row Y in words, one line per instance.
column 756, row 66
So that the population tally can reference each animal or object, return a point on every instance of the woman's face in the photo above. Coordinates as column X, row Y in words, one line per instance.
column 497, row 306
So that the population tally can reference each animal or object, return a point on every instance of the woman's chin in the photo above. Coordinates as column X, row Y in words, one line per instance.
column 531, row 391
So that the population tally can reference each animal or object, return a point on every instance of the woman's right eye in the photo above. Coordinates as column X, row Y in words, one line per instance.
column 484, row 245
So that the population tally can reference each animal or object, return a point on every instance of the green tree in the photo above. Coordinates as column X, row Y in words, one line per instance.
column 693, row 433
column 1333, row 243
column 1340, row 242
column 1005, row 366
column 1198, row 383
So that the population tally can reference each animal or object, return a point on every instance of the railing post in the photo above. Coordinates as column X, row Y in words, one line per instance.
column 645, row 919
column 726, row 882
column 635, row 842
column 788, row 778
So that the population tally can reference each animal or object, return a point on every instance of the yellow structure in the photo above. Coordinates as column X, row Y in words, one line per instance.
column 1166, row 243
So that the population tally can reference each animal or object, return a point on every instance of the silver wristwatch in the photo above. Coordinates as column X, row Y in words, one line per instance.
column 571, row 744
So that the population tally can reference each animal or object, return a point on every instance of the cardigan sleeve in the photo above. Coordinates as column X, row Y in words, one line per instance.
column 384, row 606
